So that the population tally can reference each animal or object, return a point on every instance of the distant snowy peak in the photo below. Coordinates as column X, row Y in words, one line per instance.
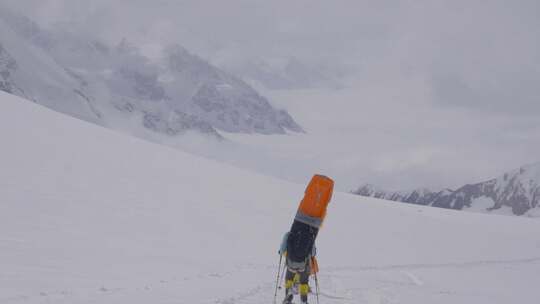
column 518, row 191
column 28, row 71
column 77, row 74
column 225, row 101
column 421, row 196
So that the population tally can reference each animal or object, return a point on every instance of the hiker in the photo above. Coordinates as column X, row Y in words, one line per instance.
column 297, row 273
column 298, row 245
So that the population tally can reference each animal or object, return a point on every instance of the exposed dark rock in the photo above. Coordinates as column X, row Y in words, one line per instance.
column 7, row 66
column 519, row 190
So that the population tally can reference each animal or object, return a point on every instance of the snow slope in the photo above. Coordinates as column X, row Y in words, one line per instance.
column 88, row 215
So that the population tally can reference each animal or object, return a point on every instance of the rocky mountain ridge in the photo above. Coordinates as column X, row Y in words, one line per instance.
column 77, row 74
column 517, row 190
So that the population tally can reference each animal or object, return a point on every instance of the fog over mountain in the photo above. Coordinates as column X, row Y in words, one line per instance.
column 119, row 87
column 401, row 93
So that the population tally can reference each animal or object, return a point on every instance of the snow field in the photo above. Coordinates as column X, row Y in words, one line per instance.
column 88, row 215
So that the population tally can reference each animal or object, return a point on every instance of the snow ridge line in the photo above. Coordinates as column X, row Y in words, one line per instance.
column 442, row 265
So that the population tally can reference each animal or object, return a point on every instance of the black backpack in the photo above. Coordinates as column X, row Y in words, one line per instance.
column 300, row 242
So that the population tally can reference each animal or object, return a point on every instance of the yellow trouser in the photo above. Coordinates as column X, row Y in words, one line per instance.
column 303, row 288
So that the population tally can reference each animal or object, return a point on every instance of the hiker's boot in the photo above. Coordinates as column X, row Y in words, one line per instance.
column 288, row 296
column 304, row 289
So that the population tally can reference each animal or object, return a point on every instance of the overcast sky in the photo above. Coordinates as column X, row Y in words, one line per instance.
column 483, row 54
column 479, row 59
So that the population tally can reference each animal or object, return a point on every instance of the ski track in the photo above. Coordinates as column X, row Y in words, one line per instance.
column 479, row 263
column 414, row 278
column 241, row 297
column 331, row 287
column 47, row 296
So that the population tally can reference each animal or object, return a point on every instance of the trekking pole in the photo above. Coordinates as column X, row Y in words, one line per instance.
column 317, row 287
column 283, row 273
column 277, row 280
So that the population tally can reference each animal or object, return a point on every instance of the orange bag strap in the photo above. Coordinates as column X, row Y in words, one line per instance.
column 314, row 265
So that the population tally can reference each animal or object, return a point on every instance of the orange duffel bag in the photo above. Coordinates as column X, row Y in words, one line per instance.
column 317, row 196
column 308, row 220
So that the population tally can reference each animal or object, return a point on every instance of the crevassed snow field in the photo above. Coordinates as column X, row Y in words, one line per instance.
column 88, row 215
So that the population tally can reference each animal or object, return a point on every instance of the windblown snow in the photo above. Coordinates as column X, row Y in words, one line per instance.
column 88, row 215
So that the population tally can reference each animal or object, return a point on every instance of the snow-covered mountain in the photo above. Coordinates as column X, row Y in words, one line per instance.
column 75, row 73
column 516, row 192
column 225, row 100
column 88, row 215
column 27, row 71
